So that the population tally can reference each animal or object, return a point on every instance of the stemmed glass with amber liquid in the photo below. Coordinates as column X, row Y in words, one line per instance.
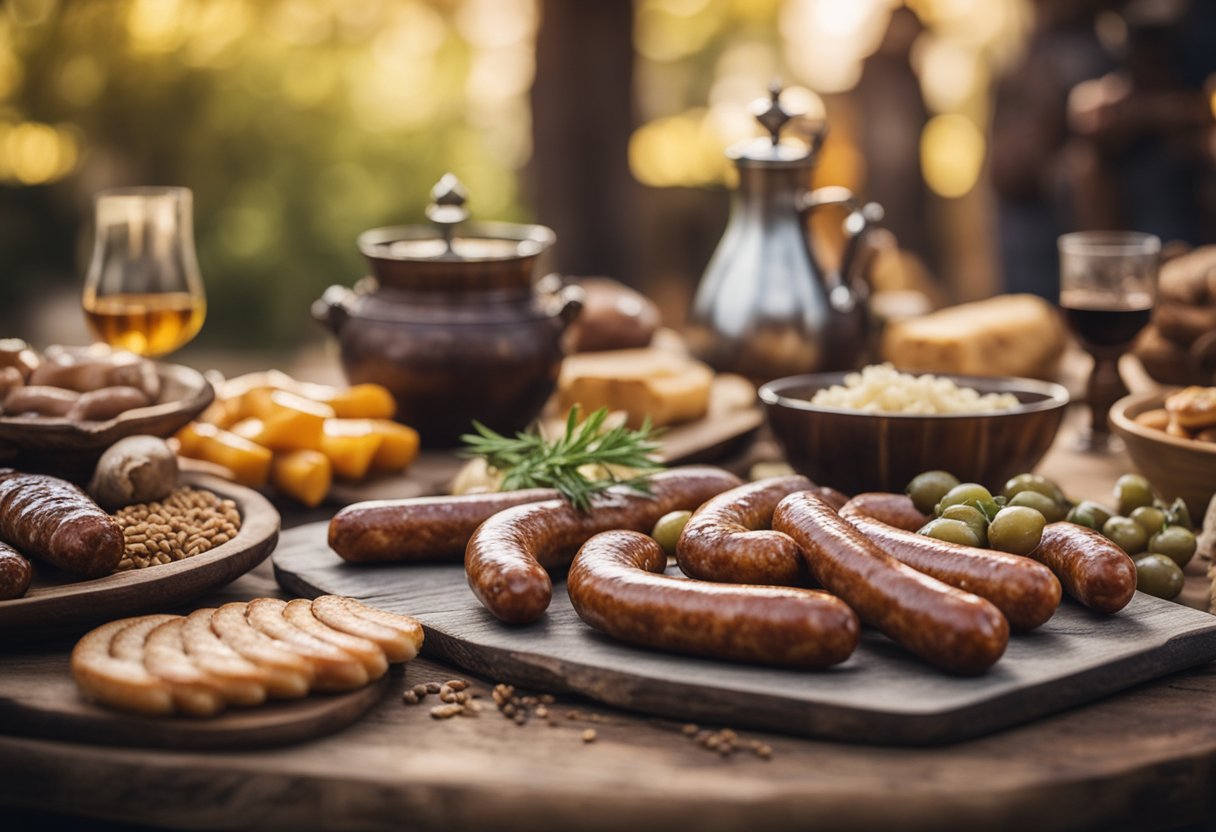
column 143, row 292
column 1108, row 285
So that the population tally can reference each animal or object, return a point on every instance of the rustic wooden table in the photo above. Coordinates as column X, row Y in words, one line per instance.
column 1144, row 758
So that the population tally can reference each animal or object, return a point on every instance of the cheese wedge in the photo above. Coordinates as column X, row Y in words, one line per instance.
column 1010, row 335
column 666, row 387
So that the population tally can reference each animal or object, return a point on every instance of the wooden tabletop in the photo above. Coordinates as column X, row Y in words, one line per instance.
column 1144, row 757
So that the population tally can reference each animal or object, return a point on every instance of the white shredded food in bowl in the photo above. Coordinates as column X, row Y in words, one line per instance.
column 880, row 388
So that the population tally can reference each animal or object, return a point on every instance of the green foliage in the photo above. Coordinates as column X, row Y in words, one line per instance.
column 297, row 125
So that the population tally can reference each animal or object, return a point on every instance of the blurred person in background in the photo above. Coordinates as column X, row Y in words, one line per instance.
column 1106, row 124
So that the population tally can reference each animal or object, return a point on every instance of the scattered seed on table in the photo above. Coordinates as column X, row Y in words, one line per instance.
column 409, row 697
column 445, row 711
column 457, row 684
column 764, row 752
column 690, row 730
column 420, row 691
column 433, row 687
column 542, row 712
column 589, row 735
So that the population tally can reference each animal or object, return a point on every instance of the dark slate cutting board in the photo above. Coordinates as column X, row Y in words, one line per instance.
column 880, row 695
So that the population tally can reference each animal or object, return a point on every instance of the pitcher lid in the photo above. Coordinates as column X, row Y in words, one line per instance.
column 774, row 150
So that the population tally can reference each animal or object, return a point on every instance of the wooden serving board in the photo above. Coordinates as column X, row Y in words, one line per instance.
column 734, row 415
column 880, row 695
column 39, row 699
column 58, row 603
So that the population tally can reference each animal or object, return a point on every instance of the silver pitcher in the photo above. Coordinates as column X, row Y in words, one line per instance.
column 766, row 306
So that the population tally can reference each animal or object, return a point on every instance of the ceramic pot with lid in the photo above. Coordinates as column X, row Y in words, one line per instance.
column 453, row 320
column 766, row 306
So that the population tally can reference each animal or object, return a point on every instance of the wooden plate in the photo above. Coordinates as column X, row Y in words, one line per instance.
column 68, row 448
column 39, row 699
column 57, row 604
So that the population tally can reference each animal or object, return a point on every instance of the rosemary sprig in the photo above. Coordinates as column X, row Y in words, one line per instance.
column 530, row 461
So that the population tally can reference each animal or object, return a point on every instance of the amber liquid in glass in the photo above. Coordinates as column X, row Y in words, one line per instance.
column 146, row 324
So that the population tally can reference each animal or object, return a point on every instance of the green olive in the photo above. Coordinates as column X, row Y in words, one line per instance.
column 1151, row 518
column 1084, row 517
column 927, row 489
column 953, row 531
column 1131, row 492
column 1179, row 515
column 1033, row 482
column 973, row 517
column 1126, row 533
column 1175, row 542
column 1016, row 529
column 1091, row 511
column 967, row 494
column 667, row 530
column 1044, row 505
column 1158, row 575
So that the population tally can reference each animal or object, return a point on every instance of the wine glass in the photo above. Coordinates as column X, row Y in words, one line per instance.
column 1108, row 284
column 143, row 292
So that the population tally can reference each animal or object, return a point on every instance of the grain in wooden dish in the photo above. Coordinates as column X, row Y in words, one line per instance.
column 188, row 522
column 880, row 388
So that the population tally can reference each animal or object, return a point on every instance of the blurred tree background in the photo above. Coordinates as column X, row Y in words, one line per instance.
column 297, row 124
column 300, row 123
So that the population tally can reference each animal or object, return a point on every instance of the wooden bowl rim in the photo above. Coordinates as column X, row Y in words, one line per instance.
column 1123, row 418
column 196, row 401
column 1055, row 396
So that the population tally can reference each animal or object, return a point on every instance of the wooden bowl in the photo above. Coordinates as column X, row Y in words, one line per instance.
column 1176, row 467
column 855, row 451
column 70, row 449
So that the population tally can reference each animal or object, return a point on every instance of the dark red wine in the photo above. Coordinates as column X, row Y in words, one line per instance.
column 1104, row 321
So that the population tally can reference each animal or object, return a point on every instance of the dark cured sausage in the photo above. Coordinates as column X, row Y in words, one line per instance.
column 421, row 528
column 15, row 573
column 729, row 540
column 1025, row 592
column 617, row 586
column 952, row 629
column 1092, row 569
column 55, row 521
column 507, row 556
column 893, row 509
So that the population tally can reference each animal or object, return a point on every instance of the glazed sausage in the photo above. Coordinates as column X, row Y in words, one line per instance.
column 729, row 540
column 54, row 520
column 507, row 556
column 39, row 401
column 952, row 629
column 1026, row 592
column 893, row 509
column 15, row 573
column 422, row 528
column 1092, row 569
column 106, row 403
column 618, row 587
column 836, row 499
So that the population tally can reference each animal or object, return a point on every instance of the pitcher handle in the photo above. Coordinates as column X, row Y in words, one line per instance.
column 862, row 217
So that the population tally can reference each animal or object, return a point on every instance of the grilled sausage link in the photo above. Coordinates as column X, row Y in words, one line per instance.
column 617, row 586
column 955, row 630
column 54, row 520
column 1092, row 569
column 421, row 528
column 893, row 509
column 1026, row 592
column 507, row 556
column 15, row 573
column 729, row 540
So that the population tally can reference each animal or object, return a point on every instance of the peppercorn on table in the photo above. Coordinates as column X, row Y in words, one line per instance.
column 511, row 759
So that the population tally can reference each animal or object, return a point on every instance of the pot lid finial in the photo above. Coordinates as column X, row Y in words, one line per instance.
column 447, row 206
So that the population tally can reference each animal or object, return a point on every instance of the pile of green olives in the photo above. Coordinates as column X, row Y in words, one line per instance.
column 1160, row 538
column 968, row 513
